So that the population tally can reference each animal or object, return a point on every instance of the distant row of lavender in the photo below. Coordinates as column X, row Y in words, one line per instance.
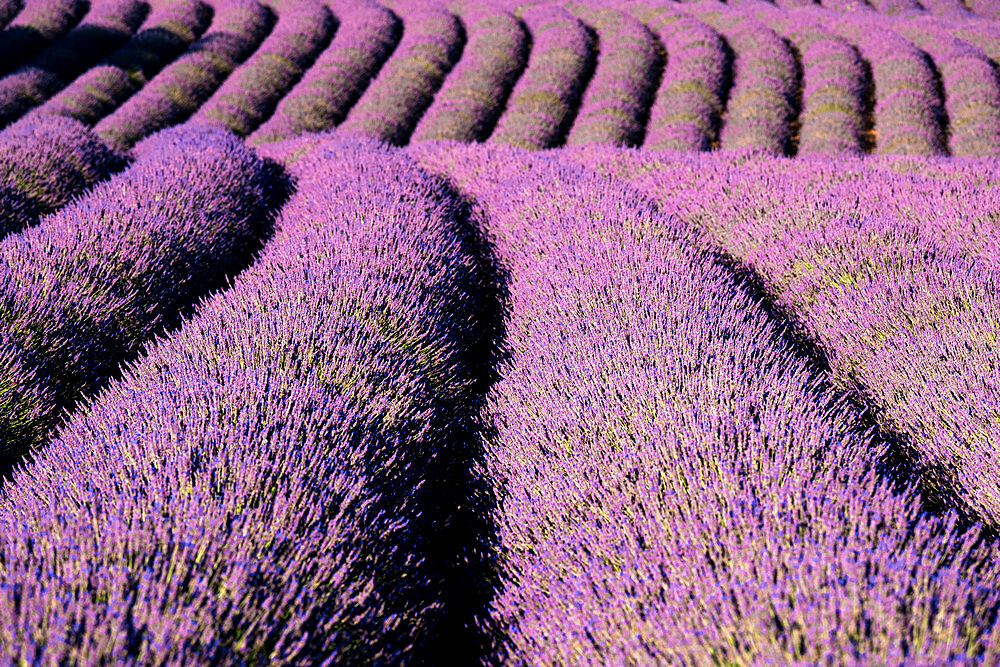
column 85, row 288
column 908, row 111
column 677, row 484
column 889, row 276
column 252, row 91
column 970, row 86
column 44, row 162
column 687, row 111
column 543, row 103
column 475, row 93
column 367, row 33
column 392, row 105
column 238, row 26
column 170, row 28
column 281, row 480
column 835, row 118
column 107, row 25
column 762, row 109
column 615, row 105
column 37, row 25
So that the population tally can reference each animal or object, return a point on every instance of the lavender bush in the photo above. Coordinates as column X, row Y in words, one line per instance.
column 615, row 106
column 86, row 287
column 304, row 440
column 250, row 94
column 474, row 94
column 541, row 107
column 687, row 111
column 392, row 105
column 909, row 113
column 762, row 109
column 46, row 161
column 835, row 116
column 170, row 28
column 367, row 34
column 678, row 485
column 179, row 89
column 8, row 10
column 970, row 85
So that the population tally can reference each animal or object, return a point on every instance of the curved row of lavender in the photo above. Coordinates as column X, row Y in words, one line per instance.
column 367, row 34
column 39, row 24
column 677, row 484
column 168, row 31
column 835, row 117
column 687, row 111
column 108, row 25
column 84, row 289
column 250, row 94
column 304, row 444
column 237, row 28
column 615, row 105
column 475, row 92
column 542, row 104
column 909, row 112
column 44, row 162
column 431, row 44
column 890, row 277
column 971, row 88
column 762, row 109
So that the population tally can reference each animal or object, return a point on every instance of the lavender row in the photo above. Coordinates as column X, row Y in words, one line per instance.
column 44, row 162
column 679, row 486
column 252, row 91
column 84, row 289
column 970, row 85
column 431, row 44
column 170, row 28
column 302, row 441
column 367, row 34
column 541, row 107
column 39, row 24
column 762, row 108
column 953, row 9
column 687, row 111
column 107, row 25
column 878, row 272
column 616, row 102
column 836, row 90
column 909, row 116
column 238, row 26
column 475, row 92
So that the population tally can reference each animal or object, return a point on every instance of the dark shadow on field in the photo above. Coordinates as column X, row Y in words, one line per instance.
column 451, row 520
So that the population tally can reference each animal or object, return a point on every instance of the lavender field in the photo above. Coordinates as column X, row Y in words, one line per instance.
column 586, row 332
